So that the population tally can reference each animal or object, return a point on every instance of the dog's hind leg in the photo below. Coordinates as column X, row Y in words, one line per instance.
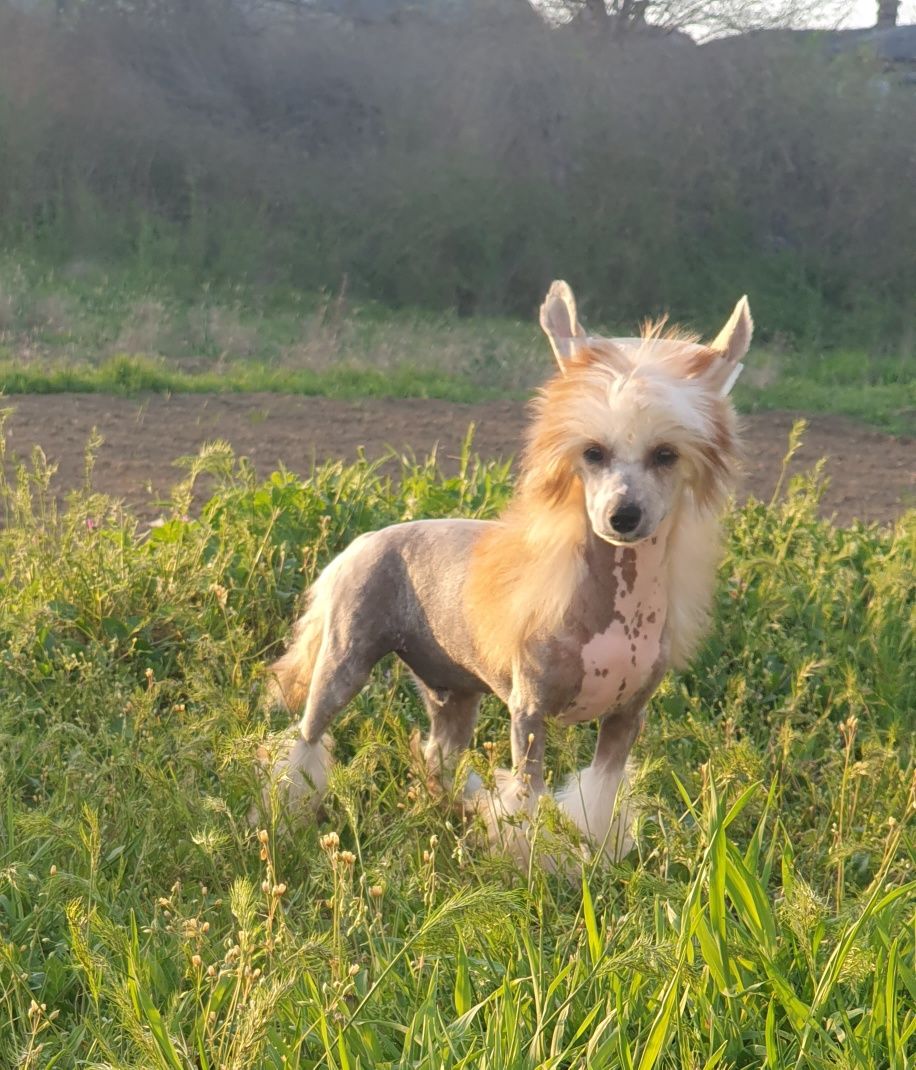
column 595, row 799
column 341, row 670
column 452, row 716
column 324, row 668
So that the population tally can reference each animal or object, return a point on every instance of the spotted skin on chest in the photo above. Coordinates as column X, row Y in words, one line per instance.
column 621, row 654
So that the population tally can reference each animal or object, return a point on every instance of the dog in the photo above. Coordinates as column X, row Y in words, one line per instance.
column 595, row 580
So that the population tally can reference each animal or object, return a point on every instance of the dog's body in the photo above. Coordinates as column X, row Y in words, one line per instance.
column 573, row 604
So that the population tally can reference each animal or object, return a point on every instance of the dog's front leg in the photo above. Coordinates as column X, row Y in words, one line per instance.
column 595, row 798
column 508, row 806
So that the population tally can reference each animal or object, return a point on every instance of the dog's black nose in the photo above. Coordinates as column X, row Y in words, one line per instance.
column 626, row 519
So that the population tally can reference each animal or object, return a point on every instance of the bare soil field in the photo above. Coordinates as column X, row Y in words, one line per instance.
column 871, row 474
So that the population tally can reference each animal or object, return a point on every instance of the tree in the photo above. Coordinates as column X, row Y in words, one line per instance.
column 701, row 18
column 887, row 14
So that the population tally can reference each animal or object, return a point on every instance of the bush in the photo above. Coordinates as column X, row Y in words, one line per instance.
column 463, row 167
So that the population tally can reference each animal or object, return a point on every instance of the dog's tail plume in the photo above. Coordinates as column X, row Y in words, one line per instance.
column 291, row 675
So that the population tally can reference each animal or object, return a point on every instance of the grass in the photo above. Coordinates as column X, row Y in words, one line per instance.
column 767, row 918
column 85, row 330
column 131, row 376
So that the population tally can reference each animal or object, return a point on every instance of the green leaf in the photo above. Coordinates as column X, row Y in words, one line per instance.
column 591, row 923
column 658, row 1034
column 463, row 995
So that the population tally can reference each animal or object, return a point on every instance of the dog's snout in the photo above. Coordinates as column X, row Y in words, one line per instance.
column 626, row 519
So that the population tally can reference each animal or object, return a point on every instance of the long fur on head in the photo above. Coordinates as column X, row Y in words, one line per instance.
column 526, row 570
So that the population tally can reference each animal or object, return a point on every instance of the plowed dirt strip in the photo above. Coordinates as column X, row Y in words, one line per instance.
column 871, row 474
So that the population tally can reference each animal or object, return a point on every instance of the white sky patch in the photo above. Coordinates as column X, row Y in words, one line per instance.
column 836, row 14
column 863, row 12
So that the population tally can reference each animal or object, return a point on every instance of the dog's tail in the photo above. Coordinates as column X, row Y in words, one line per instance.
column 291, row 675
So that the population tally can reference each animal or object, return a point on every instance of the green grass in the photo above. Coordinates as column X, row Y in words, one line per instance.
column 767, row 918
column 131, row 376
column 88, row 330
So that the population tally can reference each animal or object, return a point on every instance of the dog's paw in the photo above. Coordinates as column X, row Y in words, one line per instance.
column 506, row 811
column 294, row 774
column 600, row 807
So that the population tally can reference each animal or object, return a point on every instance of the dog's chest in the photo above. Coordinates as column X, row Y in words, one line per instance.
column 620, row 656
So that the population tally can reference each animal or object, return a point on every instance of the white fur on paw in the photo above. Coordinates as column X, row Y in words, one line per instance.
column 506, row 811
column 588, row 799
column 296, row 773
column 472, row 786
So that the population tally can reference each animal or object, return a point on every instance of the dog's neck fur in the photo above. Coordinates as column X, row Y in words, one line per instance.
column 528, row 570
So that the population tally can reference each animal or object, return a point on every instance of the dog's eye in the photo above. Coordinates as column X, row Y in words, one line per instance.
column 593, row 454
column 664, row 456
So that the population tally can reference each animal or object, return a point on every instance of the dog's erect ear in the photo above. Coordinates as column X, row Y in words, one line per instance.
column 734, row 340
column 719, row 365
column 560, row 323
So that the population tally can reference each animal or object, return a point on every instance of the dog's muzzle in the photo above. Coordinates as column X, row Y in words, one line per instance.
column 625, row 520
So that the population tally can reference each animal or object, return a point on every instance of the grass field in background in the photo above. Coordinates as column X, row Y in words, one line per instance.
column 767, row 918
column 84, row 330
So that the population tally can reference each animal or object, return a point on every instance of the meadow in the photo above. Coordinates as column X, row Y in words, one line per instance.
column 193, row 202
column 767, row 918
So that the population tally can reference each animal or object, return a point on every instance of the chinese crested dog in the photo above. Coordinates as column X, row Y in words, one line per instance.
column 595, row 580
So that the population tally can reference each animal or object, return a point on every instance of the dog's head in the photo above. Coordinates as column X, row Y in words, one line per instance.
column 635, row 422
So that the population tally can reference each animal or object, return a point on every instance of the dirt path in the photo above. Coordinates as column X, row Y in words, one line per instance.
column 871, row 474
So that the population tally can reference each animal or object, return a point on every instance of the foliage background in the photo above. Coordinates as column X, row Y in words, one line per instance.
column 463, row 165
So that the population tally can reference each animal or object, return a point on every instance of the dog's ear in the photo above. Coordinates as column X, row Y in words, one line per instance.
column 560, row 322
column 719, row 364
